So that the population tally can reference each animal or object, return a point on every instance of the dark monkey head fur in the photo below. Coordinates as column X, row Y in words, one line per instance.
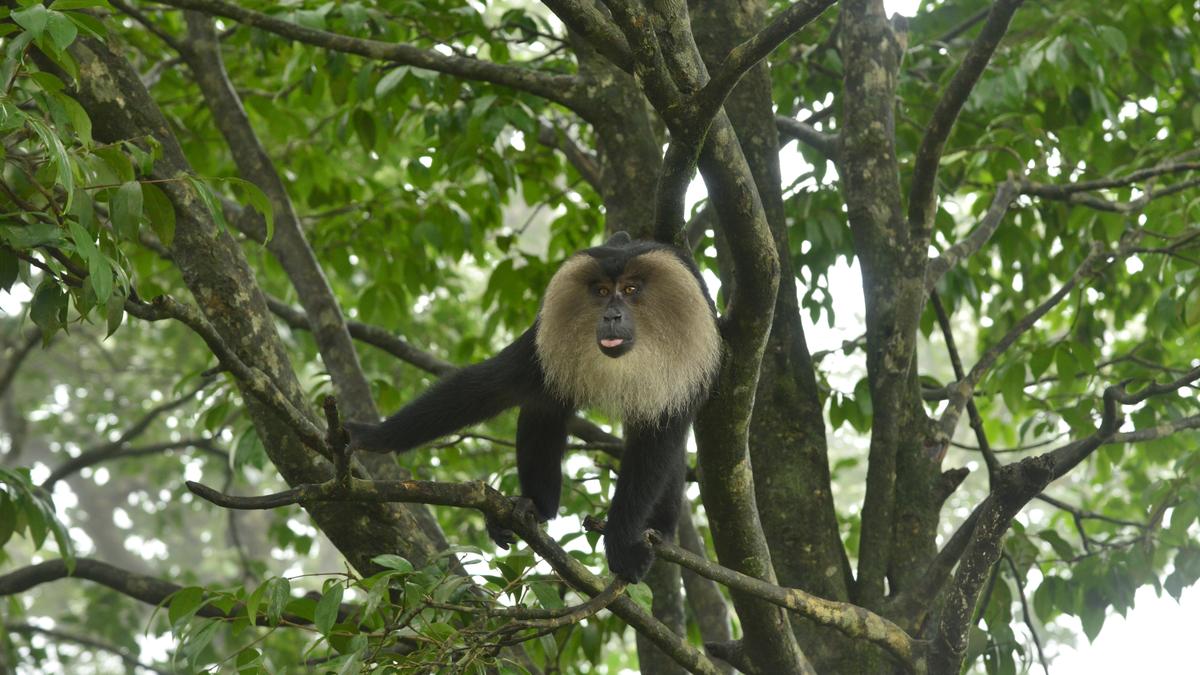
column 628, row 328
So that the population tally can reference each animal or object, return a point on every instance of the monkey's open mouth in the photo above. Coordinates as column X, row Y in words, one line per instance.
column 615, row 346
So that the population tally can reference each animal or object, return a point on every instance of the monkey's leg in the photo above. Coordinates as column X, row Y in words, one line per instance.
column 665, row 516
column 466, row 397
column 651, row 466
column 541, row 441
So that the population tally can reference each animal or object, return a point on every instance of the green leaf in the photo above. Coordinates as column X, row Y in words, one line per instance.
column 249, row 660
column 389, row 81
column 10, row 268
column 62, row 163
column 392, row 562
column 32, row 18
column 258, row 201
column 22, row 237
column 101, row 275
column 364, row 127
column 210, row 201
column 1114, row 38
column 547, row 594
column 8, row 518
column 80, row 122
column 327, row 608
column 184, row 604
column 114, row 313
column 279, row 591
column 84, row 243
column 125, row 209
column 49, row 306
column 62, row 30
column 160, row 212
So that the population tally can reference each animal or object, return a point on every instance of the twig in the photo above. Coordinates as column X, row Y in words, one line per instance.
column 1037, row 641
column 128, row 659
column 252, row 378
column 925, row 164
column 551, row 86
column 989, row 457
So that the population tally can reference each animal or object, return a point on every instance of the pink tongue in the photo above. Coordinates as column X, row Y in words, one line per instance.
column 611, row 342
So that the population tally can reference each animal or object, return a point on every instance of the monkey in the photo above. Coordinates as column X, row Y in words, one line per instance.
column 627, row 328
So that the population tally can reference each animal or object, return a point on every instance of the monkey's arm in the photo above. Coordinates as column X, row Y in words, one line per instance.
column 466, row 397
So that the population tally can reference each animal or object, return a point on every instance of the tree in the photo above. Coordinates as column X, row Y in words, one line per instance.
column 215, row 207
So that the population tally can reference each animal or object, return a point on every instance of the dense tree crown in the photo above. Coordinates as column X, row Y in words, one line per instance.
column 227, row 226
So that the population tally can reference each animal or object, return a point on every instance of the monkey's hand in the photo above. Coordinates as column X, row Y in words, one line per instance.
column 628, row 559
column 524, row 510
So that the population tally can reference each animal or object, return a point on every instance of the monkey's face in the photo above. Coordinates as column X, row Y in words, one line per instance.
column 615, row 301
column 627, row 328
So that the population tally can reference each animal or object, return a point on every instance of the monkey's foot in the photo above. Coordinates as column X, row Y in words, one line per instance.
column 629, row 560
column 523, row 511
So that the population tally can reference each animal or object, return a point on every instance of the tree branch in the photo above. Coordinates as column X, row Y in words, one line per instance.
column 131, row 662
column 14, row 360
column 989, row 457
column 963, row 389
column 851, row 620
column 583, row 17
column 553, row 87
column 497, row 509
column 746, row 55
column 112, row 451
column 583, row 161
column 929, row 153
column 1037, row 641
column 147, row 589
column 289, row 246
column 1006, row 192
column 253, row 379
column 1061, row 193
column 826, row 144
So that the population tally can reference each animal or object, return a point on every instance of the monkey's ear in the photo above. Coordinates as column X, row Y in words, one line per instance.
column 619, row 239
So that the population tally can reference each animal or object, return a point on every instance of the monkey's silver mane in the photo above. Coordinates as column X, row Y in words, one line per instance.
column 675, row 354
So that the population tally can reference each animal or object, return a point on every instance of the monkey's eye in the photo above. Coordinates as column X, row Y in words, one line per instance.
column 602, row 291
column 629, row 289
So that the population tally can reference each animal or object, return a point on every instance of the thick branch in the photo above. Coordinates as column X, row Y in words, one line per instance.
column 583, row 17
column 147, row 589
column 289, row 246
column 553, row 87
column 852, row 620
column 744, row 56
column 496, row 508
column 925, row 165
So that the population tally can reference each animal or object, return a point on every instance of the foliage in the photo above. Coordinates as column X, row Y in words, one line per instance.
column 438, row 206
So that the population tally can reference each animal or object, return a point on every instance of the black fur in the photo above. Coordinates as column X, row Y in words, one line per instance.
column 653, row 466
